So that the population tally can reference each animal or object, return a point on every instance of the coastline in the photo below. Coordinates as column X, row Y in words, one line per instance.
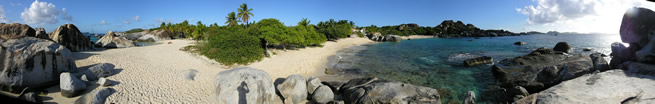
column 154, row 73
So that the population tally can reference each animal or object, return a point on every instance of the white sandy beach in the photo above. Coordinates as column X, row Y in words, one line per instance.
column 153, row 74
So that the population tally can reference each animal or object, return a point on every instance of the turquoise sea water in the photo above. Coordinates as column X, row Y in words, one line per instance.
column 437, row 62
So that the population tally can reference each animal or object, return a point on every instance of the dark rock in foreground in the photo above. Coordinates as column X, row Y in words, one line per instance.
column 636, row 24
column 69, row 36
column 27, row 57
column 244, row 85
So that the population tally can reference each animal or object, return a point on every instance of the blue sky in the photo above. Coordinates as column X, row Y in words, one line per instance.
column 100, row 16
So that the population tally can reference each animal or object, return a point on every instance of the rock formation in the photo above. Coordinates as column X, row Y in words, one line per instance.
column 27, row 57
column 293, row 89
column 68, row 35
column 541, row 69
column 110, row 40
column 40, row 33
column 95, row 97
column 15, row 30
column 244, row 85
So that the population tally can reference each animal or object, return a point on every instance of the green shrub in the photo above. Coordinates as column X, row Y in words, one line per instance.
column 334, row 30
column 134, row 30
column 232, row 46
column 360, row 34
column 305, row 36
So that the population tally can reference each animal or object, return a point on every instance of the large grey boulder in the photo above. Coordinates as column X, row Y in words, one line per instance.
column 102, row 70
column 15, row 30
column 69, row 36
column 96, row 97
column 322, row 95
column 312, row 84
column 562, row 47
column 599, row 61
column 110, row 40
column 373, row 91
column 636, row 24
column 609, row 87
column 104, row 82
column 541, row 69
column 293, row 89
column 392, row 38
column 71, row 86
column 244, row 85
column 32, row 62
column 621, row 53
column 394, row 92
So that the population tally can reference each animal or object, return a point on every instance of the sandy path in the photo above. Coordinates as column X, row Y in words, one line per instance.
column 153, row 74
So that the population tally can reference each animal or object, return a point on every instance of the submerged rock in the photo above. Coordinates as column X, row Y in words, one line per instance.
column 469, row 98
column 293, row 89
column 478, row 61
column 610, row 87
column 244, row 85
column 372, row 91
column 520, row 43
column 71, row 86
column 69, row 36
column 32, row 62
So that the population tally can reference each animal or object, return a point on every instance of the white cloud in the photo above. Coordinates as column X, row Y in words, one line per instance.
column 3, row 17
column 126, row 22
column 103, row 22
column 65, row 15
column 136, row 18
column 16, row 4
column 586, row 16
column 40, row 13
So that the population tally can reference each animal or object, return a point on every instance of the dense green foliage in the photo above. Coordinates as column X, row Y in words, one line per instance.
column 275, row 33
column 134, row 30
column 334, row 30
column 232, row 45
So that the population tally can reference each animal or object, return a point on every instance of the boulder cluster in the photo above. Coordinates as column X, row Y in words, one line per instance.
column 553, row 76
column 34, row 60
column 124, row 40
column 245, row 85
column 377, row 36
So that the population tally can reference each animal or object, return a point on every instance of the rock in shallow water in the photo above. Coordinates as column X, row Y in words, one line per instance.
column 562, row 47
column 293, row 89
column 26, row 58
column 469, row 98
column 244, row 85
column 71, row 86
column 536, row 72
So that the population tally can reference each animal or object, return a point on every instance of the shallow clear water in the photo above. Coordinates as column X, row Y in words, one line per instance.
column 437, row 62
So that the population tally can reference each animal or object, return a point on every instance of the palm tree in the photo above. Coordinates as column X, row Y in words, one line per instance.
column 245, row 13
column 303, row 22
column 231, row 19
